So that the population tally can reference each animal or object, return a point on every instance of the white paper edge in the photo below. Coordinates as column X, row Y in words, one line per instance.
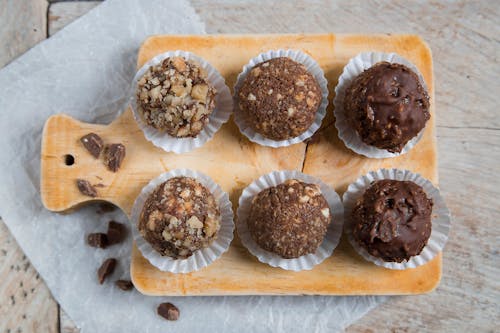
column 347, row 134
column 220, row 115
column 312, row 67
column 441, row 219
column 308, row 261
column 200, row 258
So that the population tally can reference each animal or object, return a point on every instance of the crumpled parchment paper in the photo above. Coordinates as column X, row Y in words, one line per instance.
column 85, row 71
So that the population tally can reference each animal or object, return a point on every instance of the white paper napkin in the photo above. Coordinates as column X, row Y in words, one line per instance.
column 85, row 71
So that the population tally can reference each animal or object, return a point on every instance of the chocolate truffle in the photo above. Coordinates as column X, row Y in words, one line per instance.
column 176, row 97
column 280, row 98
column 392, row 220
column 387, row 106
column 290, row 219
column 179, row 217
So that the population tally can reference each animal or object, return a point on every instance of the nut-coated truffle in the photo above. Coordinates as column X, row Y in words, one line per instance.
column 179, row 217
column 290, row 219
column 280, row 98
column 176, row 97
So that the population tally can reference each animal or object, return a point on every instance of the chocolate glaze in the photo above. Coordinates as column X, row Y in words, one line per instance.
column 392, row 220
column 387, row 106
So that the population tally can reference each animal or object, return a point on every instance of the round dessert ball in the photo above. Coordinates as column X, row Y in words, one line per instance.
column 392, row 220
column 176, row 97
column 179, row 217
column 387, row 106
column 280, row 98
column 290, row 219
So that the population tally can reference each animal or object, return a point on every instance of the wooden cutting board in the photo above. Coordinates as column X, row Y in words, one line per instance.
column 233, row 162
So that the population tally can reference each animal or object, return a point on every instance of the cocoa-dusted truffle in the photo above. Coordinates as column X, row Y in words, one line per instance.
column 290, row 219
column 392, row 220
column 179, row 217
column 176, row 97
column 280, row 98
column 387, row 105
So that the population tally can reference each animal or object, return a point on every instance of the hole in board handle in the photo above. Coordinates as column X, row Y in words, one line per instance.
column 69, row 159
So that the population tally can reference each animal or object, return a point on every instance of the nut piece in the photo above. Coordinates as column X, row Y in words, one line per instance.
column 86, row 188
column 93, row 143
column 200, row 92
column 168, row 311
column 107, row 268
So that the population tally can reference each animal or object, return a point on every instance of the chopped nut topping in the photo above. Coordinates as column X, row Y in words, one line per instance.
column 176, row 97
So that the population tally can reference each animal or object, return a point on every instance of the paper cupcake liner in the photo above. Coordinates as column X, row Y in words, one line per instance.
column 441, row 220
column 312, row 67
column 347, row 134
column 220, row 115
column 305, row 262
column 200, row 258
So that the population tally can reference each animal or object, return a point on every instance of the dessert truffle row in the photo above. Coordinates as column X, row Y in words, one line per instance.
column 386, row 105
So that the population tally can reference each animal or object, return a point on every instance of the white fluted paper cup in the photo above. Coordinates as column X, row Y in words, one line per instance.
column 440, row 218
column 347, row 134
column 241, row 119
column 220, row 115
column 305, row 262
column 200, row 258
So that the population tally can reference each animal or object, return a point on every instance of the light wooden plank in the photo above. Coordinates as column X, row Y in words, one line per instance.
column 25, row 301
column 23, row 24
column 63, row 13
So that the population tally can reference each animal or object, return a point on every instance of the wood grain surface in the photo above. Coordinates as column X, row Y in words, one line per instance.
column 463, row 36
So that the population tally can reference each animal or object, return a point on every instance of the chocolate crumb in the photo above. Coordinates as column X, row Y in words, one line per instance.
column 86, row 188
column 114, row 155
column 93, row 143
column 124, row 285
column 168, row 311
column 99, row 240
column 116, row 232
column 105, row 208
column 106, row 269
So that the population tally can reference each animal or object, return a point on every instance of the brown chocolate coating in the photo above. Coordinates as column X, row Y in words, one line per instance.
column 290, row 219
column 179, row 217
column 392, row 220
column 387, row 105
column 280, row 98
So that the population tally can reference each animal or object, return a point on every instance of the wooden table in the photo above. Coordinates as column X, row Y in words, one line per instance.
column 466, row 48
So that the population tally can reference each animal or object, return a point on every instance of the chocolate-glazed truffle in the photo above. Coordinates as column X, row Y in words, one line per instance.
column 176, row 97
column 392, row 220
column 179, row 217
column 280, row 98
column 290, row 219
column 387, row 105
